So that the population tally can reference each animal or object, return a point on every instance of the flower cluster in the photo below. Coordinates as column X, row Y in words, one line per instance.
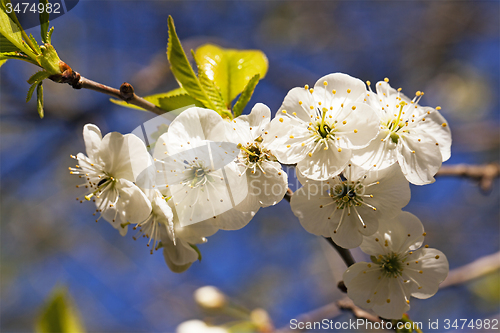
column 355, row 151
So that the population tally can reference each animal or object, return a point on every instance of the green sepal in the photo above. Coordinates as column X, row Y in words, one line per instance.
column 49, row 60
column 39, row 99
column 44, row 23
column 245, row 95
column 197, row 250
column 182, row 70
column 38, row 76
column 59, row 314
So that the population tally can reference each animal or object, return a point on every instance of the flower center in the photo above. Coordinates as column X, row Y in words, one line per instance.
column 391, row 264
column 345, row 195
column 199, row 174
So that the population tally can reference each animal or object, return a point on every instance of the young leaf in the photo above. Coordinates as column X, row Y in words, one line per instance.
column 177, row 101
column 2, row 61
column 59, row 314
column 49, row 35
column 44, row 22
column 30, row 92
column 35, row 43
column 245, row 95
column 230, row 69
column 38, row 76
column 39, row 99
column 181, row 68
column 155, row 99
column 212, row 91
column 16, row 55
column 13, row 37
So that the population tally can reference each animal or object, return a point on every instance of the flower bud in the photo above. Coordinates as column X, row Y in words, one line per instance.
column 210, row 298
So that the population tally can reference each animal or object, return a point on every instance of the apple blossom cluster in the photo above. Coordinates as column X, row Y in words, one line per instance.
column 355, row 151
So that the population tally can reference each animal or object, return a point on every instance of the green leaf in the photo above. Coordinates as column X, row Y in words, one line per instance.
column 212, row 91
column 245, row 95
column 175, row 102
column 182, row 70
column 155, row 99
column 38, row 76
column 44, row 22
column 39, row 99
column 14, row 37
column 49, row 60
column 7, row 46
column 230, row 69
column 197, row 250
column 59, row 314
column 2, row 61
column 16, row 55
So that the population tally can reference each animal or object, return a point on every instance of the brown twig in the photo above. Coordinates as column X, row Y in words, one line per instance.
column 475, row 269
column 126, row 92
column 484, row 173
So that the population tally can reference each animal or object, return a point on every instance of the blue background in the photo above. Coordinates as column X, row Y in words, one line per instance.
column 450, row 50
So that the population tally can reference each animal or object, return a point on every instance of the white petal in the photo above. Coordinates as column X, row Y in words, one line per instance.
column 133, row 203
column 269, row 188
column 285, row 137
column 292, row 104
column 391, row 193
column 366, row 284
column 92, row 137
column 305, row 204
column 347, row 234
column 246, row 128
column 124, row 156
column 395, row 305
column 324, row 164
column 341, row 83
column 434, row 267
column 419, row 160
column 402, row 233
column 436, row 126
column 195, row 125
column 178, row 257
column 361, row 125
column 379, row 154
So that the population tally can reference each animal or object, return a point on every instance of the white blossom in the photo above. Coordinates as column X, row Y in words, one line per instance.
column 267, row 182
column 109, row 170
column 198, row 326
column 319, row 128
column 199, row 169
column 417, row 137
column 348, row 207
column 398, row 269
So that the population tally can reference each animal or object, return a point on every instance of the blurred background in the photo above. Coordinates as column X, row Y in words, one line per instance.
column 449, row 50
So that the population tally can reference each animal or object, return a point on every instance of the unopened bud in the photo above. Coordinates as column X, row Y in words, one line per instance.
column 261, row 319
column 210, row 298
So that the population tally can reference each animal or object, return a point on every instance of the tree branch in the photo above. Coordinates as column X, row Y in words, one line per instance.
column 484, row 173
column 475, row 269
column 126, row 92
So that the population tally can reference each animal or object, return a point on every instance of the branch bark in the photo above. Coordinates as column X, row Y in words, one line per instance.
column 484, row 173
column 125, row 93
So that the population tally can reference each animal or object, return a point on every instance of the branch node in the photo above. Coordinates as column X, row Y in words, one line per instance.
column 127, row 91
